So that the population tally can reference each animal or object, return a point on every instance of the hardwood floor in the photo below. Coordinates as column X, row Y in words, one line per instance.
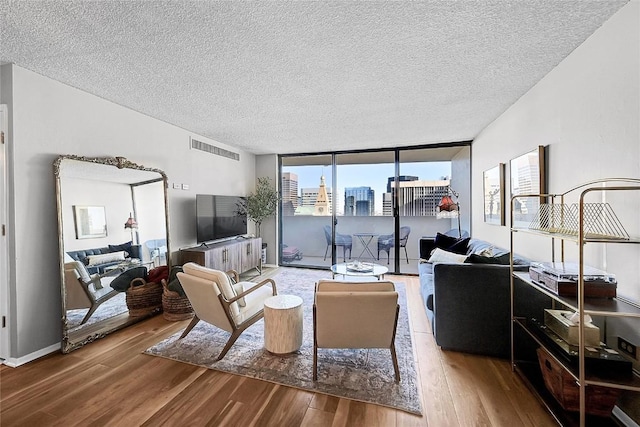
column 111, row 383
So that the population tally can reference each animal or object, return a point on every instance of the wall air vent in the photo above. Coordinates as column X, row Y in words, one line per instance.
column 212, row 149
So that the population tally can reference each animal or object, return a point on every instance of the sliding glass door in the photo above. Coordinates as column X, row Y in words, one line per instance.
column 370, row 206
column 362, row 216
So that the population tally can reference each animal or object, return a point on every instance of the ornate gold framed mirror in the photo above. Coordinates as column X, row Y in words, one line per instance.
column 123, row 207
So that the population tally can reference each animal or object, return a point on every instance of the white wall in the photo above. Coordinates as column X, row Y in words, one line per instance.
column 48, row 119
column 587, row 112
column 114, row 197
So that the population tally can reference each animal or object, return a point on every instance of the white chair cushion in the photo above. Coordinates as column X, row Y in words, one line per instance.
column 81, row 270
column 254, row 300
column 217, row 276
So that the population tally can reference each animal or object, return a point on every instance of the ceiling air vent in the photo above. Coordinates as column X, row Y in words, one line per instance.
column 212, row 149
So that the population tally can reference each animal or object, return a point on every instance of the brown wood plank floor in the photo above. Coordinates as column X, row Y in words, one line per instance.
column 111, row 383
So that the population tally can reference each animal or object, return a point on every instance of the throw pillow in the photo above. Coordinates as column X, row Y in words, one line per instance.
column 106, row 258
column 479, row 259
column 440, row 255
column 122, row 247
column 452, row 244
column 173, row 282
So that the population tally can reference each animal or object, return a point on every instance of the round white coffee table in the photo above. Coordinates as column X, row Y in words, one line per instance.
column 283, row 324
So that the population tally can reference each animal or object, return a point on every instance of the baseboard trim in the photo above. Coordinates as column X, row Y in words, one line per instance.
column 15, row 362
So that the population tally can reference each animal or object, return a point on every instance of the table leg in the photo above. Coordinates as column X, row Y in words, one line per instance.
column 366, row 246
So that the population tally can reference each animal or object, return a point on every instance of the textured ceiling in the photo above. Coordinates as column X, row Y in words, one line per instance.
column 288, row 77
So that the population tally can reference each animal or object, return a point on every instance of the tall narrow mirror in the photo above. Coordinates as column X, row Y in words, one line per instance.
column 113, row 225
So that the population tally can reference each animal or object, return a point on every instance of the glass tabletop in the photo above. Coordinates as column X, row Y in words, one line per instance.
column 359, row 269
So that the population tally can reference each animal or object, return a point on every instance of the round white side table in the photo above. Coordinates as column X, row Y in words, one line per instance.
column 283, row 324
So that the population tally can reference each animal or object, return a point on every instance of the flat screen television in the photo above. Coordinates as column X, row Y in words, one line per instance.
column 217, row 217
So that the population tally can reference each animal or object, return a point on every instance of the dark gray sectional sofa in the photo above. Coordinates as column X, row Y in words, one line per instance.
column 468, row 304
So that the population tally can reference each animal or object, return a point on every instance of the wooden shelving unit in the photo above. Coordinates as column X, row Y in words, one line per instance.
column 582, row 223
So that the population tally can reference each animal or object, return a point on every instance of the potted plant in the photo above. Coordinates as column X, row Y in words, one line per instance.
column 260, row 204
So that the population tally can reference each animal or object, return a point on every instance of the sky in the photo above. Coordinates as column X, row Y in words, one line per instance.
column 367, row 175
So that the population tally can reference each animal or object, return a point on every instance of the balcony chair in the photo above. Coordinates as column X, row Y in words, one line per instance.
column 343, row 240
column 388, row 241
column 229, row 305
column 355, row 315
column 157, row 249
column 84, row 290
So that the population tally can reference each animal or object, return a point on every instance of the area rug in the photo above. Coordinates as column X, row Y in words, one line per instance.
column 365, row 375
column 110, row 308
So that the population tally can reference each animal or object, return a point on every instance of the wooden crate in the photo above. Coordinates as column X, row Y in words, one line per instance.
column 599, row 400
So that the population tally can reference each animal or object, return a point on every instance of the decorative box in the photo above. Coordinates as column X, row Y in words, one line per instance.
column 558, row 321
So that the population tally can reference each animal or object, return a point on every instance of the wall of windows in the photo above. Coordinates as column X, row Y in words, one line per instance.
column 371, row 206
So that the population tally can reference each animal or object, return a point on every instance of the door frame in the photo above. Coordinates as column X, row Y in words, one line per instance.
column 5, row 348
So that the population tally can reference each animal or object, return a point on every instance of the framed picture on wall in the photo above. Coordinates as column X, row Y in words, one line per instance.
column 90, row 221
column 527, row 174
column 493, row 187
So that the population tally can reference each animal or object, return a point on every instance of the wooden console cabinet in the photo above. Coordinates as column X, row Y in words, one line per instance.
column 239, row 254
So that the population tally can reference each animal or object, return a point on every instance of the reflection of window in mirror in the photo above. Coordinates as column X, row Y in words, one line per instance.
column 91, row 221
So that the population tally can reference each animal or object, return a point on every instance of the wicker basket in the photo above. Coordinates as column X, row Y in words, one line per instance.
column 144, row 299
column 174, row 306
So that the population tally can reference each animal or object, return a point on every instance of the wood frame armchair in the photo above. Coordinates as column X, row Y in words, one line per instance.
column 219, row 301
column 355, row 315
column 83, row 290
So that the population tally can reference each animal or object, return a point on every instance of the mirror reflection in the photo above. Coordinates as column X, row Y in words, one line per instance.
column 113, row 226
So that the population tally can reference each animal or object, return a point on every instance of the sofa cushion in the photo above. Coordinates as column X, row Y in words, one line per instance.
column 452, row 244
column 503, row 259
column 440, row 255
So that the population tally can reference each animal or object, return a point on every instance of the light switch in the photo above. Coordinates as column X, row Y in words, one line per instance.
column 185, row 186
column 176, row 186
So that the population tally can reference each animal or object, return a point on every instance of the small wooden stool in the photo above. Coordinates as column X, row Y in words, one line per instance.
column 283, row 324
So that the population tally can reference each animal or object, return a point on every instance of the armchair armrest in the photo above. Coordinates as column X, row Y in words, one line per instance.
column 253, row 288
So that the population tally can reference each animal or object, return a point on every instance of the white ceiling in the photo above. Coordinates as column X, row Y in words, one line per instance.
column 292, row 77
